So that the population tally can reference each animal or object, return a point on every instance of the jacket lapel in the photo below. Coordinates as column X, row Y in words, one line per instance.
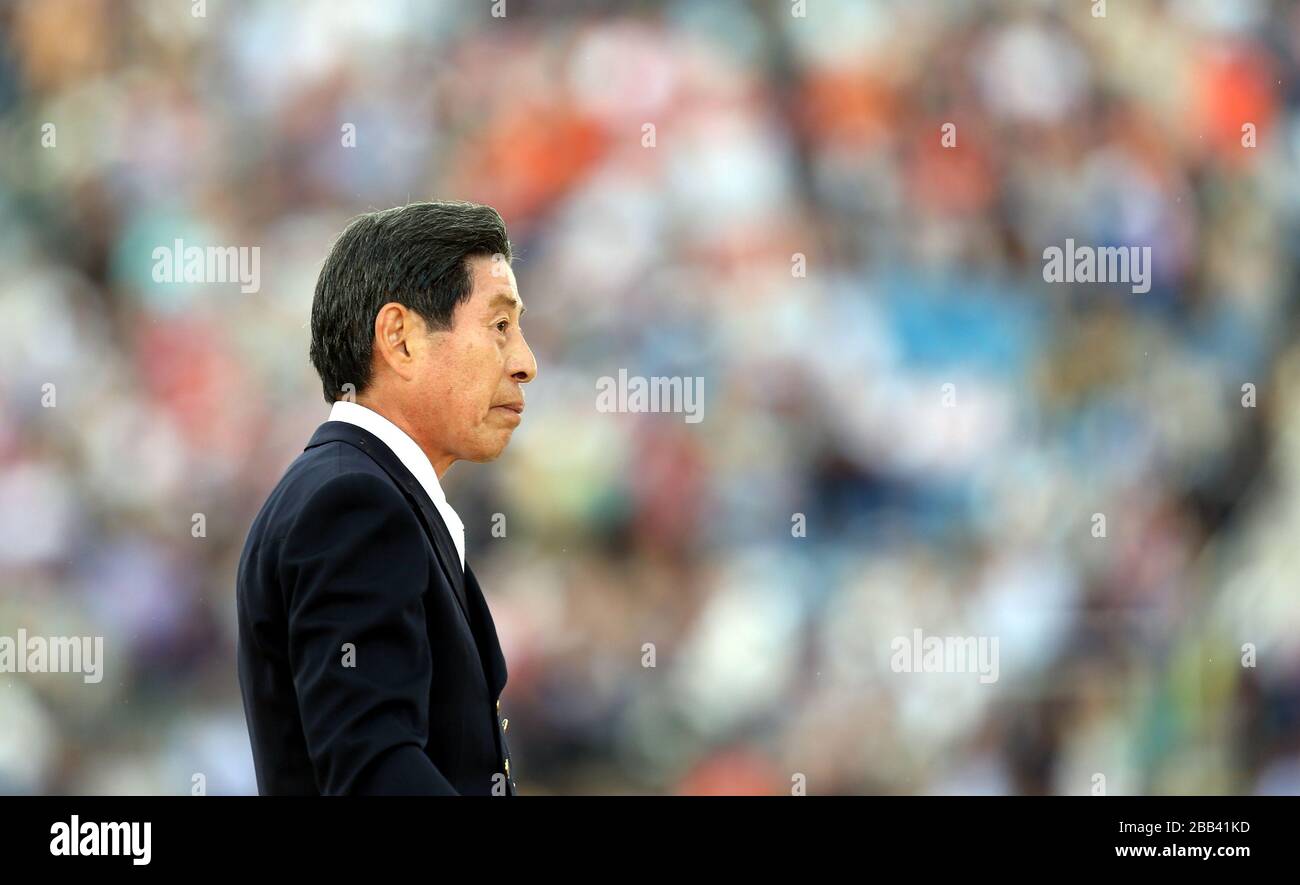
column 485, row 635
column 448, row 558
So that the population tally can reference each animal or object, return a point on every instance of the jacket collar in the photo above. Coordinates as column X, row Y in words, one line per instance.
column 381, row 454
column 413, row 458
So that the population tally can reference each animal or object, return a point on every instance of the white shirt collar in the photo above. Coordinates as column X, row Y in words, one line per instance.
column 411, row 456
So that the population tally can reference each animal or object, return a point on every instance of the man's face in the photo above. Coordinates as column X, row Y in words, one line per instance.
column 469, row 380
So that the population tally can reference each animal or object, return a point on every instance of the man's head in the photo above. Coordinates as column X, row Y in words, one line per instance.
column 418, row 310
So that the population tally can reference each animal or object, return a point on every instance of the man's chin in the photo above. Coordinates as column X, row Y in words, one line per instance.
column 491, row 452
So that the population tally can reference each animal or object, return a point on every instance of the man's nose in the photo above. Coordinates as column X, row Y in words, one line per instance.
column 523, row 366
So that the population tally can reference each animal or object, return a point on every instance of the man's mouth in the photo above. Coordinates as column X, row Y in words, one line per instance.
column 516, row 409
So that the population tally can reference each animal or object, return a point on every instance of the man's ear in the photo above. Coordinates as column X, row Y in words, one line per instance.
column 395, row 333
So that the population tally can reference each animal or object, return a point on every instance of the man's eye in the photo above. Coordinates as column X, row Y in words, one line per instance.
column 502, row 325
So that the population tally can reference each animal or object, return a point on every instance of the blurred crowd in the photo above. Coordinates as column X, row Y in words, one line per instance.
column 905, row 426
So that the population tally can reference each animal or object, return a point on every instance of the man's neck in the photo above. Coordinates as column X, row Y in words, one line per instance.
column 440, row 460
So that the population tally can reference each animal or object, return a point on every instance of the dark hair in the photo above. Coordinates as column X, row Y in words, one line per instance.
column 414, row 255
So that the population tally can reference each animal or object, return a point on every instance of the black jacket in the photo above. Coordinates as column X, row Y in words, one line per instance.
column 368, row 662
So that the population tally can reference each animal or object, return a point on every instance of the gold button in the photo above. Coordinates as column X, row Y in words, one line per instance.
column 507, row 768
column 505, row 724
column 498, row 705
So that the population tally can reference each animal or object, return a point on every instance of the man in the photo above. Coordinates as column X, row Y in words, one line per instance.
column 368, row 661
